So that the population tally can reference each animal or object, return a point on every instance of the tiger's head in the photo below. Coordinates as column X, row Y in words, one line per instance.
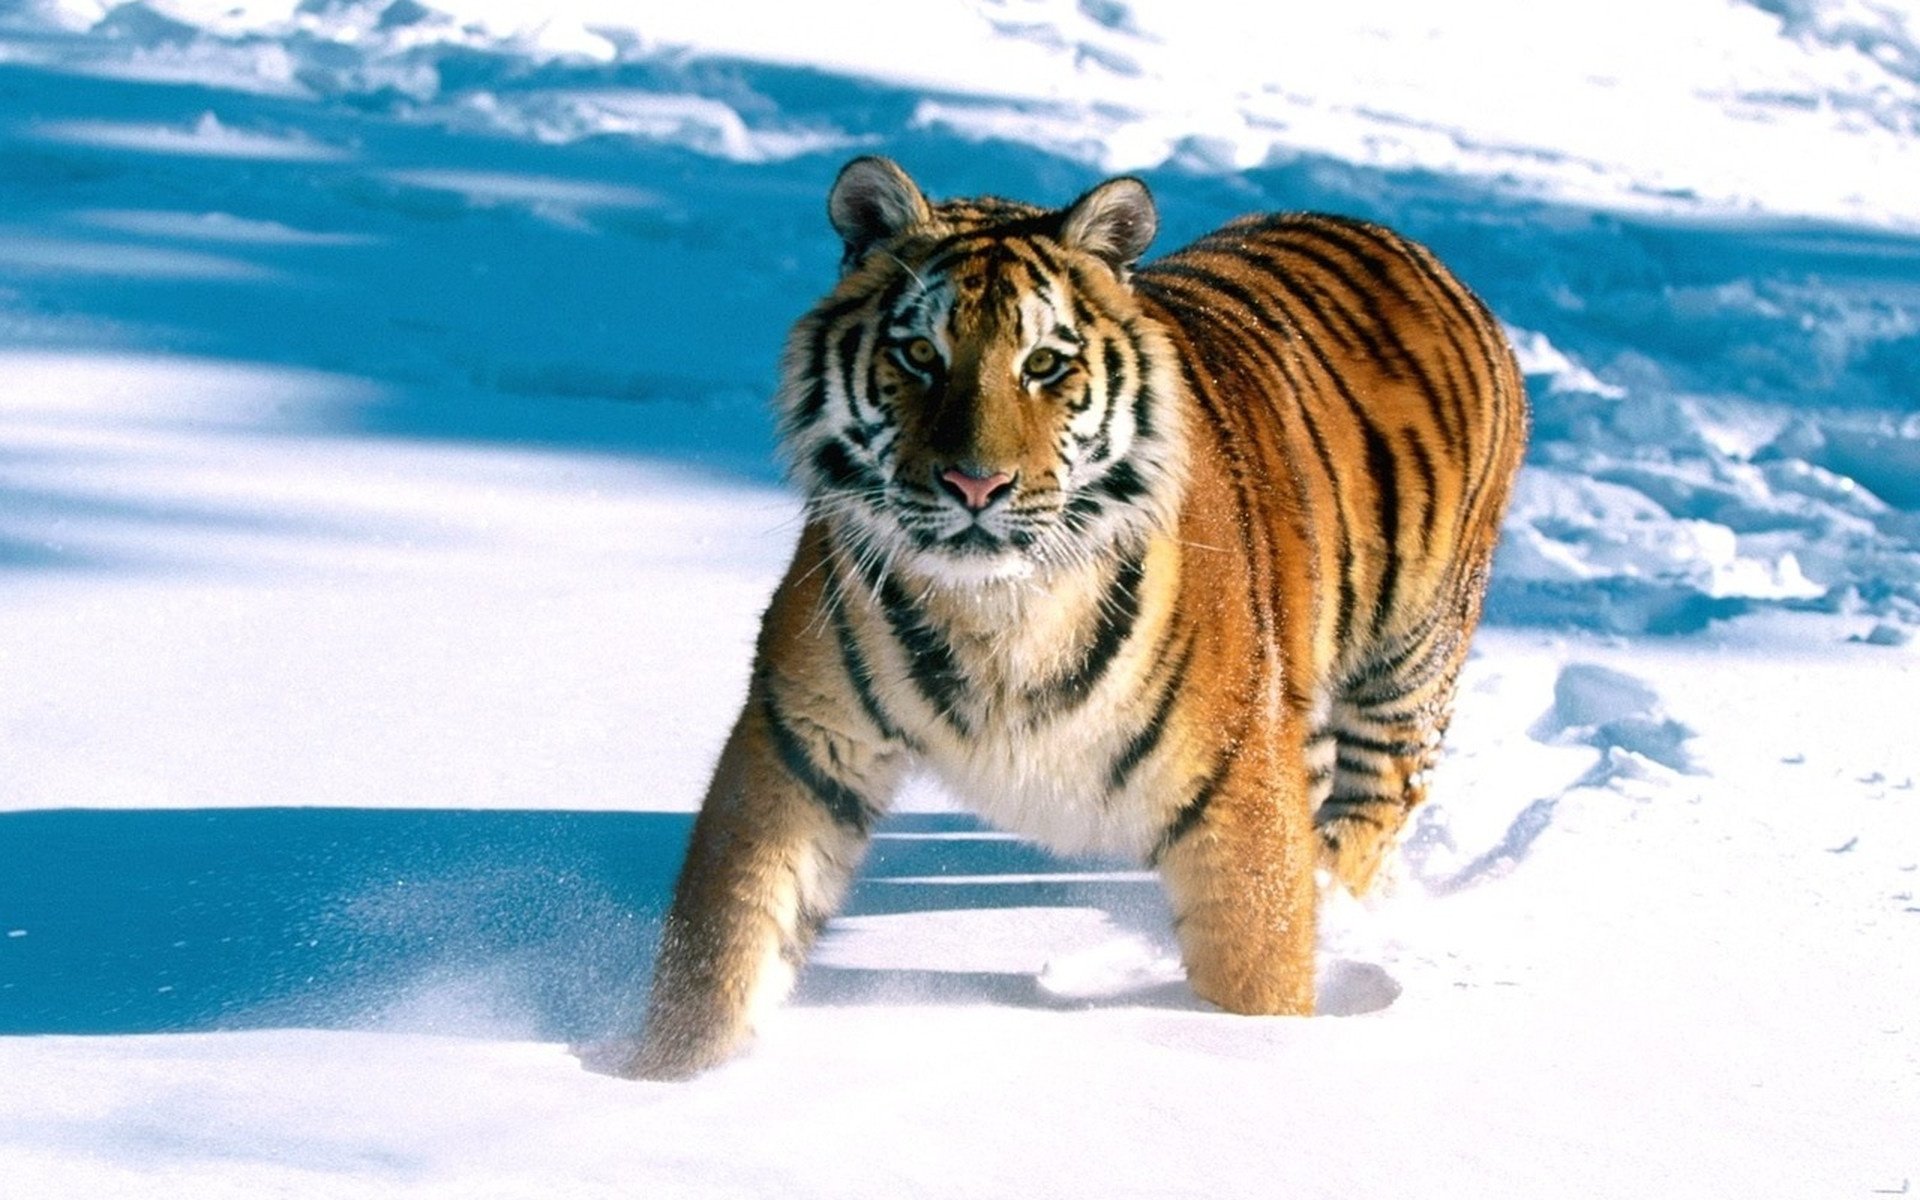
column 981, row 397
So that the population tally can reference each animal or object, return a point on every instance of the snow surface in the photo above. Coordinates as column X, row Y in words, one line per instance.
column 387, row 504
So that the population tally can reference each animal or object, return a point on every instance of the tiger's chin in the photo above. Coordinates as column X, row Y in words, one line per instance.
column 971, row 558
column 1032, row 559
column 972, row 568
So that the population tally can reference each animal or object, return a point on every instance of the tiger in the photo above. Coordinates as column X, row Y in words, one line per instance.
column 1176, row 562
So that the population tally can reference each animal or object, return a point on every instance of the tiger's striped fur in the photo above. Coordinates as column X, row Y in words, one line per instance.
column 1179, row 563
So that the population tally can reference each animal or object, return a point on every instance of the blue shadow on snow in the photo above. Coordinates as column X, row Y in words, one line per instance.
column 502, row 923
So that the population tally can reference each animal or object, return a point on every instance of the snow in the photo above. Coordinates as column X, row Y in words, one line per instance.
column 387, row 506
column 1615, row 975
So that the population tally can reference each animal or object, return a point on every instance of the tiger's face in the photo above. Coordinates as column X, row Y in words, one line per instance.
column 981, row 397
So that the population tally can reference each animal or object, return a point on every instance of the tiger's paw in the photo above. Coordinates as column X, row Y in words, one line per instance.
column 1352, row 851
column 658, row 1059
column 1255, row 993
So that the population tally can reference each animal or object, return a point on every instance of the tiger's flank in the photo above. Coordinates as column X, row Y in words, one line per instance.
column 1178, row 562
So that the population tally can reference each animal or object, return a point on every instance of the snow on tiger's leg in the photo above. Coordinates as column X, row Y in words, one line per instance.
column 1238, row 863
column 782, row 830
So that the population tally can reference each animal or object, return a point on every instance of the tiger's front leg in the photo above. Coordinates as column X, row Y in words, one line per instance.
column 1238, row 863
column 781, row 831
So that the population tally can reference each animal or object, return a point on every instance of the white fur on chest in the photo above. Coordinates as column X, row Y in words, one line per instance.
column 1033, row 769
column 1050, row 785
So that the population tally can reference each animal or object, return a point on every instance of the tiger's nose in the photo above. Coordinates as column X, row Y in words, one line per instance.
column 976, row 491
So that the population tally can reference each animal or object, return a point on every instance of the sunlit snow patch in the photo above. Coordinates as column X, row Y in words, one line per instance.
column 564, row 202
column 697, row 123
column 37, row 255
column 213, row 227
column 208, row 136
column 1615, row 713
column 1540, row 358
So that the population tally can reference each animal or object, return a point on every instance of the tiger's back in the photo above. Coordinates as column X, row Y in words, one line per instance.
column 1368, row 417
column 1179, row 563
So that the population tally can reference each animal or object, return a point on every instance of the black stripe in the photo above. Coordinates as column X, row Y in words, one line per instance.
column 1002, row 290
column 842, row 803
column 1379, row 333
column 1203, row 312
column 1399, row 716
column 1082, row 404
column 1388, row 665
column 1148, row 736
column 1037, row 283
column 1386, row 481
column 1255, row 566
column 837, row 468
column 1143, row 396
column 807, row 924
column 1039, row 250
column 1327, row 814
column 1349, row 561
column 1394, row 749
column 1343, row 528
column 1105, row 436
column 949, row 251
column 1193, row 315
column 1448, row 403
column 1143, row 402
column 887, row 310
column 930, row 660
column 1429, row 489
column 1283, row 260
column 1469, row 312
column 863, row 435
column 1363, row 797
column 1116, row 368
column 1191, row 812
column 1082, row 509
column 1413, row 675
column 848, row 349
column 815, row 400
column 1122, row 482
column 854, row 662
column 1342, row 761
column 840, row 308
column 1118, row 611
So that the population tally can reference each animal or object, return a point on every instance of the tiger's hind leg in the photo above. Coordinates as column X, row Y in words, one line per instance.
column 1385, row 725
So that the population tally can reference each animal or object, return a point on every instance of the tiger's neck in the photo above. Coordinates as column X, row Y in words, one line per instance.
column 1059, row 632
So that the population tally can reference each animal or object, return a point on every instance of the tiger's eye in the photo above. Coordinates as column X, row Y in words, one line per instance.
column 922, row 353
column 1043, row 364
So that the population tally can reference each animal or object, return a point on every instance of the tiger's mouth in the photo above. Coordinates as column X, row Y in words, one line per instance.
column 974, row 540
column 1031, row 529
column 1004, row 526
column 955, row 544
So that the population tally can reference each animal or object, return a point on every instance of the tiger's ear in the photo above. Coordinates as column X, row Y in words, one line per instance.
column 1116, row 221
column 871, row 201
